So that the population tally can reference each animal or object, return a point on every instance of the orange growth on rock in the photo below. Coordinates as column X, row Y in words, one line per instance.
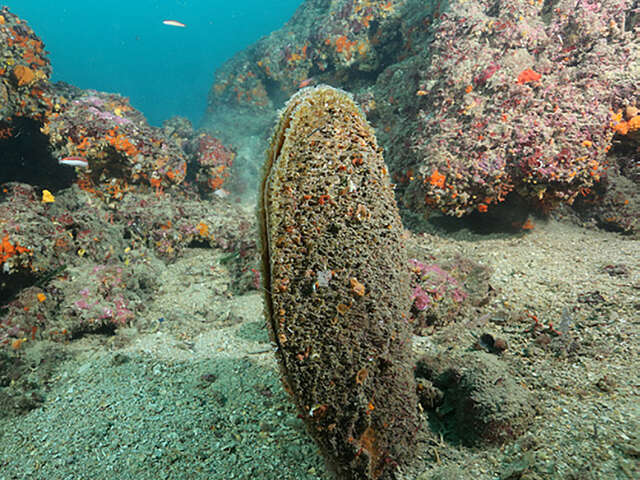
column 616, row 116
column 85, row 183
column 387, row 7
column 23, row 75
column 203, row 229
column 619, row 126
column 528, row 225
column 121, row 143
column 215, row 182
column 622, row 128
column 85, row 144
column 343, row 45
column 8, row 250
column 117, row 189
column 155, row 182
column 437, row 179
column 357, row 287
column 528, row 75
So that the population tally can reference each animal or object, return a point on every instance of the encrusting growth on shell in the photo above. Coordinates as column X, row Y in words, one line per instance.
column 337, row 286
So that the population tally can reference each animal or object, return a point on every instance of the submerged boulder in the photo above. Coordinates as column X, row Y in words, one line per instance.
column 476, row 397
column 481, row 106
column 24, row 74
column 516, row 97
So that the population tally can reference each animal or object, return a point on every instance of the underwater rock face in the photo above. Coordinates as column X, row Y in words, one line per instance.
column 337, row 286
column 479, row 400
column 24, row 74
column 515, row 104
column 518, row 97
column 343, row 43
column 121, row 149
column 324, row 42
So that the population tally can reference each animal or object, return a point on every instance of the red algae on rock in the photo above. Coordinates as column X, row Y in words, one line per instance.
column 518, row 98
column 24, row 72
column 121, row 148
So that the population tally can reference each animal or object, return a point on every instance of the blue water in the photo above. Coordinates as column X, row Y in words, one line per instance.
column 122, row 46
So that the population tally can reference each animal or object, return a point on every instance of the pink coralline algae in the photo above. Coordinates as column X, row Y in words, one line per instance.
column 24, row 316
column 519, row 97
column 121, row 148
column 213, row 160
column 421, row 299
column 437, row 295
column 101, row 298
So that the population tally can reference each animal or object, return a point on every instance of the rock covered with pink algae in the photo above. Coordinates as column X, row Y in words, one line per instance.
column 616, row 206
column 213, row 159
column 444, row 291
column 518, row 96
column 472, row 100
column 115, row 139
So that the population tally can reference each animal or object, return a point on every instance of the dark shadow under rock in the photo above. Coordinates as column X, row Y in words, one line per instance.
column 482, row 402
column 24, row 376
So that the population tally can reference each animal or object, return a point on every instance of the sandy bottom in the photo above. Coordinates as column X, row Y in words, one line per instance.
column 192, row 391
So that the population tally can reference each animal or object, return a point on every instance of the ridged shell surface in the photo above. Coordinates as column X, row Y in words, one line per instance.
column 336, row 284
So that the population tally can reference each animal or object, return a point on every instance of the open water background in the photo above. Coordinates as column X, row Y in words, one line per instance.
column 121, row 46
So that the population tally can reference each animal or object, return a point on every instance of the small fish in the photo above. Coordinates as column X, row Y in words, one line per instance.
column 221, row 193
column 306, row 82
column 74, row 161
column 174, row 23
